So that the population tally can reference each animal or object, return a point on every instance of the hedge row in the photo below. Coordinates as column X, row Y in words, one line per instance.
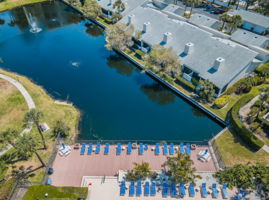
column 263, row 70
column 186, row 84
column 248, row 137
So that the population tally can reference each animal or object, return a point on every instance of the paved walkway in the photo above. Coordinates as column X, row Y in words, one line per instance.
column 28, row 99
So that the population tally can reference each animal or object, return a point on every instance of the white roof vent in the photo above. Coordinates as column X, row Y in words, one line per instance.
column 189, row 47
column 219, row 63
column 145, row 27
column 167, row 36
column 130, row 19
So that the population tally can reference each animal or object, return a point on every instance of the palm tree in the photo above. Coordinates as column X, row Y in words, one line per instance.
column 34, row 116
column 60, row 129
column 119, row 5
column 206, row 90
column 194, row 3
column 142, row 170
column 236, row 20
column 264, row 97
column 9, row 136
column 179, row 169
column 224, row 18
column 27, row 146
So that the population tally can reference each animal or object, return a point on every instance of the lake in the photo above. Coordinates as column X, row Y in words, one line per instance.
column 117, row 101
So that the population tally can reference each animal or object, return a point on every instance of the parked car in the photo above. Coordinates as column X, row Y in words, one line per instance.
column 217, row 11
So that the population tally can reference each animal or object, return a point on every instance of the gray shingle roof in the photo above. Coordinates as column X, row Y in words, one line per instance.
column 252, row 17
column 249, row 38
column 202, row 20
column 206, row 47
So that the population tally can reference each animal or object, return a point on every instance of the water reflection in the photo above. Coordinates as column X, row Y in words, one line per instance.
column 119, row 63
column 2, row 22
column 93, row 30
column 158, row 93
column 198, row 113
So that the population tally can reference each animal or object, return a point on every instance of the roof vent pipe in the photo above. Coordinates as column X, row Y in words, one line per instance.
column 167, row 36
column 188, row 48
column 130, row 19
column 145, row 27
column 219, row 62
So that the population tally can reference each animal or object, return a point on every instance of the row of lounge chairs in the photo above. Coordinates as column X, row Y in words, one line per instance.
column 141, row 148
column 150, row 190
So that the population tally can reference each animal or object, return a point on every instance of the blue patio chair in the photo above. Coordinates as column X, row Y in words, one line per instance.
column 171, row 149
column 141, row 149
column 129, row 148
column 98, row 148
column 191, row 190
column 157, row 149
column 146, row 189
column 122, row 188
column 90, row 149
column 118, row 151
column 188, row 149
column 224, row 191
column 165, row 190
column 165, row 149
column 139, row 189
column 182, row 189
column 181, row 148
column 132, row 189
column 215, row 192
column 173, row 190
column 83, row 149
column 106, row 151
column 146, row 147
column 153, row 189
column 203, row 190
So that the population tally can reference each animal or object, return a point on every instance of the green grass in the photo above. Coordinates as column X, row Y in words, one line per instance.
column 39, row 191
column 5, row 189
column 233, row 151
column 10, row 4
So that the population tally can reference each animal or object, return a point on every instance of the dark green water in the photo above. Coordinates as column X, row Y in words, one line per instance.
column 69, row 60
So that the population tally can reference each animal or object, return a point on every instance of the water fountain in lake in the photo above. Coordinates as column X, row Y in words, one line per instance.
column 34, row 28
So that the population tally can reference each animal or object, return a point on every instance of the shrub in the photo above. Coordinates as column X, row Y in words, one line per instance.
column 195, row 81
column 186, row 84
column 263, row 70
column 166, row 77
column 254, row 126
column 221, row 101
column 107, row 20
column 249, row 138
column 139, row 53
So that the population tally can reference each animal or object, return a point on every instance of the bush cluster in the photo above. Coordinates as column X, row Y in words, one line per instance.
column 139, row 53
column 186, row 84
column 221, row 101
column 263, row 70
column 248, row 137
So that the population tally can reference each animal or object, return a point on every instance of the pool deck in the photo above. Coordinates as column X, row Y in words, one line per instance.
column 69, row 170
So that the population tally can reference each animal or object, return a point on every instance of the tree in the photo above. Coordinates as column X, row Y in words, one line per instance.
column 60, row 129
column 263, row 6
column 21, row 174
column 119, row 36
column 119, row 5
column 179, row 169
column 206, row 90
column 75, row 3
column 194, row 3
column 264, row 97
column 250, row 3
column 116, row 17
column 236, row 20
column 225, row 18
column 91, row 9
column 34, row 116
column 138, row 34
column 27, row 146
column 140, row 171
column 163, row 60
column 9, row 136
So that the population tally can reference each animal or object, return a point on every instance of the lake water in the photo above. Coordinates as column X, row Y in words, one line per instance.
column 69, row 60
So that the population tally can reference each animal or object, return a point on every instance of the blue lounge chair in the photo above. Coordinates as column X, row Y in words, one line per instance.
column 171, row 149
column 215, row 192
column 188, row 149
column 181, row 148
column 132, row 189
column 106, row 151
column 139, row 189
column 191, row 190
column 146, row 189
column 146, row 147
column 122, row 188
column 157, row 149
column 173, row 190
column 153, row 189
column 203, row 190
column 129, row 148
column 118, row 151
column 98, row 147
column 165, row 149
column 182, row 189
column 90, row 149
column 224, row 191
column 165, row 190
column 83, row 149
column 141, row 149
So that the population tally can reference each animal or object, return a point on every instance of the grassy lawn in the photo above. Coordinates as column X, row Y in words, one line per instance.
column 5, row 189
column 13, row 107
column 52, row 112
column 234, row 152
column 39, row 191
column 10, row 4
